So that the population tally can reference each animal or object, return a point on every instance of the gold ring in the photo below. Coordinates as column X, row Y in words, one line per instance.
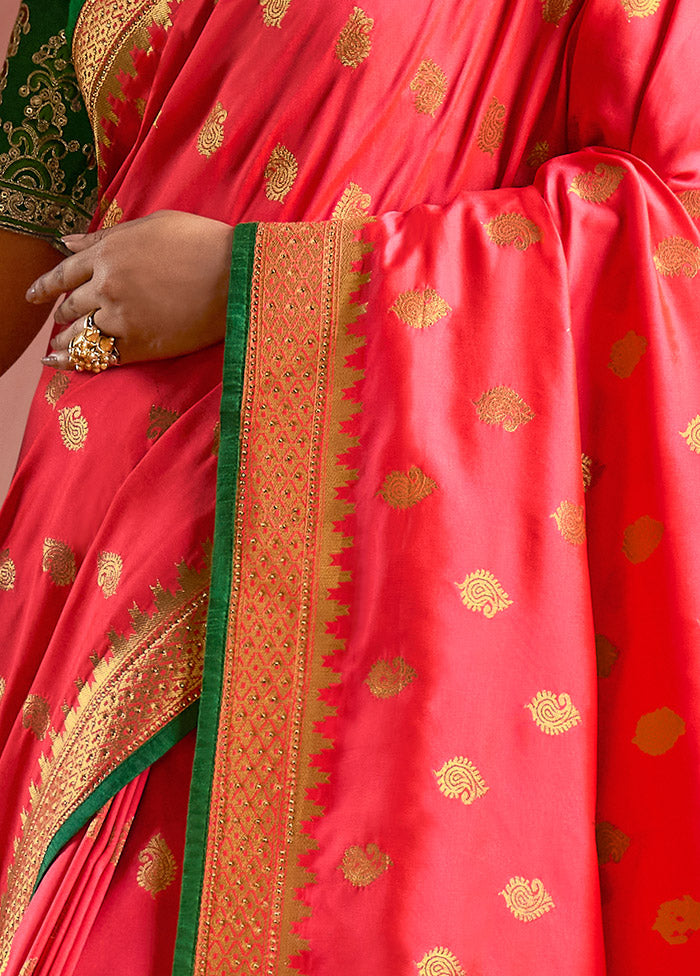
column 92, row 351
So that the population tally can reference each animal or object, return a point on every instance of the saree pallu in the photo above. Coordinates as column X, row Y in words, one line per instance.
column 453, row 615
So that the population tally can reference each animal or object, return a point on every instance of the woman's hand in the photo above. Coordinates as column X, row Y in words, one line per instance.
column 159, row 285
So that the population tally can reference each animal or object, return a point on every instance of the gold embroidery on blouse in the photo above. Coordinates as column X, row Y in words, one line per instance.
column 606, row 655
column 421, row 308
column 273, row 11
column 440, row 962
column 539, row 154
column 626, row 353
column 429, row 87
column 354, row 42
column 526, row 899
column 211, row 136
column 404, row 489
column 361, row 866
column 611, row 843
column 159, row 420
column 58, row 561
column 599, row 185
column 492, row 128
column 677, row 255
column 157, row 866
column 658, row 731
column 29, row 966
column 640, row 8
column 459, row 779
column 280, row 173
column 113, row 215
column 513, row 230
column 502, row 406
column 691, row 202
column 482, row 593
column 353, row 205
column 74, row 427
column 677, row 920
column 571, row 522
column 8, row 572
column 691, row 434
column 21, row 26
column 641, row 538
column 109, row 571
column 56, row 387
column 121, row 841
column 553, row 713
column 554, row 10
column 387, row 679
column 36, row 715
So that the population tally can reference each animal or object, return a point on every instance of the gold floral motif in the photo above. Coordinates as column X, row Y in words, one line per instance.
column 606, row 655
column 157, row 866
column 29, row 966
column 492, row 128
column 677, row 255
column 404, row 489
column 429, row 87
column 599, row 185
column 641, row 538
column 677, row 920
column 74, row 427
column 353, row 205
column 8, row 572
column 273, row 11
column 571, row 522
column 658, row 731
column 354, row 42
column 113, row 215
column 109, row 571
column 554, row 10
column 387, row 679
column 513, row 230
column 459, row 779
column 503, row 406
column 159, row 420
column 280, row 173
column 539, row 154
column 611, row 842
column 692, row 434
column 420, row 309
column 440, row 962
column 553, row 713
column 691, row 202
column 527, row 900
column 59, row 561
column 626, row 353
column 36, row 715
column 211, row 136
column 363, row 865
column 482, row 593
column 640, row 8
column 56, row 387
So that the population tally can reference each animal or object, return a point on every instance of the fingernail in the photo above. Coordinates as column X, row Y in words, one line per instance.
column 31, row 293
column 50, row 361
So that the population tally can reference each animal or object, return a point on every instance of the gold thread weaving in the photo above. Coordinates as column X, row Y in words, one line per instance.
column 429, row 87
column 361, row 866
column 157, row 866
column 459, row 779
column 440, row 962
column 421, row 308
column 8, row 571
column 527, row 900
column 354, row 42
column 552, row 713
column 387, row 679
column 404, row 489
column 492, row 128
column 482, row 593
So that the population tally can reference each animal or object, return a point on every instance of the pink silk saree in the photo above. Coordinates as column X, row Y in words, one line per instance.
column 449, row 716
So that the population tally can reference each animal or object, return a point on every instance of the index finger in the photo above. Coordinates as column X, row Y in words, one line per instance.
column 71, row 272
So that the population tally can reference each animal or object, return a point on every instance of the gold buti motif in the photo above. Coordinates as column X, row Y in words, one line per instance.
column 363, row 865
column 677, row 256
column 387, row 679
column 29, row 966
column 539, row 154
column 113, row 215
column 211, row 135
column 273, row 11
column 554, row 10
column 2, row 687
column 513, row 230
column 482, row 593
column 109, row 571
column 216, row 439
column 527, row 900
column 691, row 202
column 691, row 434
column 502, row 406
column 36, row 714
column 459, row 779
column 74, row 428
column 606, row 655
column 56, row 387
column 121, row 841
column 626, row 353
column 658, row 731
column 571, row 522
column 440, row 962
column 492, row 128
column 640, row 8
column 586, row 471
column 59, row 562
column 677, row 920
column 421, row 308
column 157, row 866
column 599, row 185
column 354, row 41
column 404, row 489
column 353, row 205
column 8, row 572
column 611, row 842
column 429, row 87
column 280, row 173
column 553, row 713
column 159, row 420
column 642, row 538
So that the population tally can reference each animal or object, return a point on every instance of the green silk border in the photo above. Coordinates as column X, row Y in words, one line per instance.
column 227, row 480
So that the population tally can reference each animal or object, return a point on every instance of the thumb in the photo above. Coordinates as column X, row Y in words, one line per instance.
column 81, row 242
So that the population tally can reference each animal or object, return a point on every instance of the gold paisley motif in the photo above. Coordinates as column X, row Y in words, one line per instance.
column 109, row 571
column 641, row 538
column 459, row 779
column 482, row 593
column 440, row 962
column 2, row 687
column 159, row 419
column 658, row 731
column 354, row 41
column 611, row 842
column 539, row 154
column 492, row 128
column 404, row 489
column 526, row 899
column 353, row 205
column 599, row 185
column 421, row 308
column 56, row 387
column 677, row 255
column 640, row 8
column 280, row 173
column 211, row 136
column 586, row 471
column 571, row 522
column 606, row 655
column 29, row 966
column 513, row 230
column 429, row 87
column 59, row 561
column 273, row 11
column 691, row 434
column 554, row 10
column 74, row 428
column 121, row 841
column 36, row 715
column 626, row 353
column 361, row 866
column 691, row 202
column 8, row 572
column 553, row 713
column 387, row 679
column 502, row 406
column 113, row 215
column 157, row 866
column 677, row 920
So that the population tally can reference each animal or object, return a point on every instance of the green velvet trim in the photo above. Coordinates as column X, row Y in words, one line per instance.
column 73, row 13
column 215, row 653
